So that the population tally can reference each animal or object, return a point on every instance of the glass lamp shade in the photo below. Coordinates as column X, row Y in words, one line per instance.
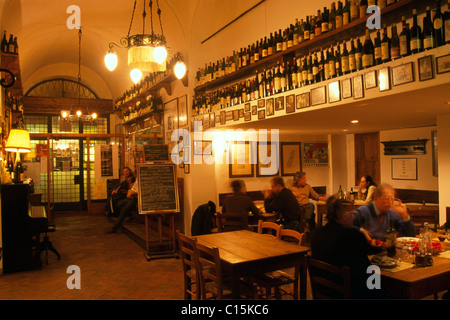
column 18, row 141
column 179, row 69
column 111, row 61
column 141, row 57
column 136, row 75
column 160, row 54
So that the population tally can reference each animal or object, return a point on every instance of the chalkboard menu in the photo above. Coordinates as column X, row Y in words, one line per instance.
column 156, row 152
column 158, row 190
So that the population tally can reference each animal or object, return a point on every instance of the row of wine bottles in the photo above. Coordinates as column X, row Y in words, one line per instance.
column 313, row 27
column 10, row 46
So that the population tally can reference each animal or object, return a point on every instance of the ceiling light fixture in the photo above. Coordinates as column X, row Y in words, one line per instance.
column 354, row 121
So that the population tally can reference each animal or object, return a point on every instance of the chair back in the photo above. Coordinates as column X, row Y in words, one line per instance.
column 210, row 271
column 190, row 266
column 328, row 281
column 232, row 221
column 289, row 235
column 272, row 227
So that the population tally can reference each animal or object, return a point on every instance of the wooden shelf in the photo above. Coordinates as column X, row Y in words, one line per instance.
column 351, row 30
column 140, row 120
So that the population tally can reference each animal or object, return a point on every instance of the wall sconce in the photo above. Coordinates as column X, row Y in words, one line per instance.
column 18, row 142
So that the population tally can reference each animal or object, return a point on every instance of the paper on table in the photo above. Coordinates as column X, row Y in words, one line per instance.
column 401, row 266
column 445, row 254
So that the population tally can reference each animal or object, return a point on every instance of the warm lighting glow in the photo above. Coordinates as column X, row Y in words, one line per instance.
column 79, row 113
column 94, row 116
column 136, row 75
column 64, row 114
column 160, row 54
column 354, row 121
column 18, row 141
column 111, row 61
column 180, row 69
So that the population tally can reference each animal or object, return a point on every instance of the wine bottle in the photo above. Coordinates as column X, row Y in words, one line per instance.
column 339, row 15
column 325, row 22
column 391, row 235
column 326, row 67
column 301, row 32
column 337, row 61
column 321, row 66
column 312, row 32
column 367, row 57
column 305, row 81
column 395, row 43
column 315, row 69
column 269, row 82
column 318, row 26
column 11, row 44
column 290, row 38
column 279, row 41
column 377, row 49
column 306, row 29
column 363, row 8
column 283, row 82
column 277, row 79
column 285, row 40
column 331, row 62
column 332, row 17
column 295, row 33
column 294, row 74
column 262, row 84
column 341, row 193
column 447, row 24
column 310, row 70
column 299, row 73
column 359, row 54
column 354, row 11
column 345, row 59
column 438, row 25
column 346, row 13
column 415, row 35
column 351, row 57
column 4, row 43
column 405, row 40
column 385, row 46
column 428, row 31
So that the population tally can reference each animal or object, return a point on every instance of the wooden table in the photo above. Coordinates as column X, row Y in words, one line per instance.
column 243, row 253
column 417, row 283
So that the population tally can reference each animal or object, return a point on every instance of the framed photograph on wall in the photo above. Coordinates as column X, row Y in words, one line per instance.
column 402, row 74
column 261, row 114
column 261, row 103
column 290, row 157
column 290, row 103
column 302, row 100
column 425, row 68
column 346, row 88
column 384, row 79
column 318, row 96
column 334, row 92
column 170, row 118
column 443, row 64
column 358, row 90
column 404, row 168
column 182, row 112
column 268, row 163
column 241, row 159
column 279, row 103
column 202, row 147
column 370, row 79
column 269, row 108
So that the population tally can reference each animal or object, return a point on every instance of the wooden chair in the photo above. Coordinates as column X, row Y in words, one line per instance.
column 190, row 266
column 212, row 283
column 272, row 227
column 231, row 221
column 328, row 281
column 277, row 279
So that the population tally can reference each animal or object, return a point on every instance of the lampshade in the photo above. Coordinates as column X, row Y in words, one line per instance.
column 136, row 75
column 18, row 141
column 141, row 57
column 180, row 69
column 111, row 61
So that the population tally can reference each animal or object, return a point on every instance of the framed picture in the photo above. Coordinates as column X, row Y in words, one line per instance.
column 254, row 110
column 402, row 74
column 443, row 64
column 318, row 96
column 315, row 154
column 358, row 91
column 346, row 88
column 334, row 92
column 170, row 117
column 247, row 107
column 370, row 79
column 268, row 159
column 228, row 115
column 261, row 114
column 404, row 169
column 202, row 147
column 425, row 68
column 248, row 116
column 241, row 113
column 269, row 108
column 279, row 103
column 261, row 103
column 290, row 158
column 182, row 112
column 242, row 158
column 222, row 117
column 212, row 119
column 236, row 115
column 290, row 103
column 217, row 118
column 206, row 121
column 384, row 79
column 302, row 100
column 187, row 168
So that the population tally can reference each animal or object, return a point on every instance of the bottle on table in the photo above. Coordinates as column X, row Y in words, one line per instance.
column 391, row 237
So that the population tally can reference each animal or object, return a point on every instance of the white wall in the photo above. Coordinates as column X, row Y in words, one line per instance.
column 443, row 124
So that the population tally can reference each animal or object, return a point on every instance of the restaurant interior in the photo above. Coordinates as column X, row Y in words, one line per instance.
column 389, row 120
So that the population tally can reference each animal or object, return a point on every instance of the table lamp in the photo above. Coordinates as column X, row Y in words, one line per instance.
column 19, row 142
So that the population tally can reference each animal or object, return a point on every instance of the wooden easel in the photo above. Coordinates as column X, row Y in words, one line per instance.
column 171, row 253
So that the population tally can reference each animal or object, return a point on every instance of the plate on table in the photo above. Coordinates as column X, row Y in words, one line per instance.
column 384, row 261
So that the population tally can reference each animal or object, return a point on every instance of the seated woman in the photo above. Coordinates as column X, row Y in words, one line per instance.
column 239, row 202
column 368, row 185
column 126, row 182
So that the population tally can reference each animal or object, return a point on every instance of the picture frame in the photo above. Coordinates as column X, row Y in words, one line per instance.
column 402, row 74
column 443, row 64
column 241, row 113
column 290, row 158
column 261, row 103
column 269, row 149
column 334, row 91
column 241, row 159
column 187, row 168
column 212, row 119
column 247, row 107
column 425, row 66
column 269, row 108
column 358, row 90
column 384, row 81
column 247, row 116
column 182, row 111
column 303, row 100
column 318, row 96
column 202, row 147
column 228, row 115
column 205, row 121
column 404, row 168
column 279, row 103
column 170, row 118
column 261, row 114
column 346, row 88
column 254, row 110
column 222, row 118
column 236, row 115
column 290, row 103
column 370, row 79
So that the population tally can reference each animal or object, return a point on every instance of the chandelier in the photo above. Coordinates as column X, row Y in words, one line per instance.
column 78, row 115
column 146, row 52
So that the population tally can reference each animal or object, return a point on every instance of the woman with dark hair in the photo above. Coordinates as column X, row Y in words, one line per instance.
column 368, row 185
column 127, row 180
column 239, row 201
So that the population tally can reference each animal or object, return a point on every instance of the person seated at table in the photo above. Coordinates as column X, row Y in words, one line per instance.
column 125, row 206
column 337, row 243
column 368, row 185
column 120, row 192
column 303, row 192
column 280, row 199
column 373, row 219
column 239, row 201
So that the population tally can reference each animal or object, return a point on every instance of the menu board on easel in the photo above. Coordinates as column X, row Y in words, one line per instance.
column 156, row 152
column 158, row 190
